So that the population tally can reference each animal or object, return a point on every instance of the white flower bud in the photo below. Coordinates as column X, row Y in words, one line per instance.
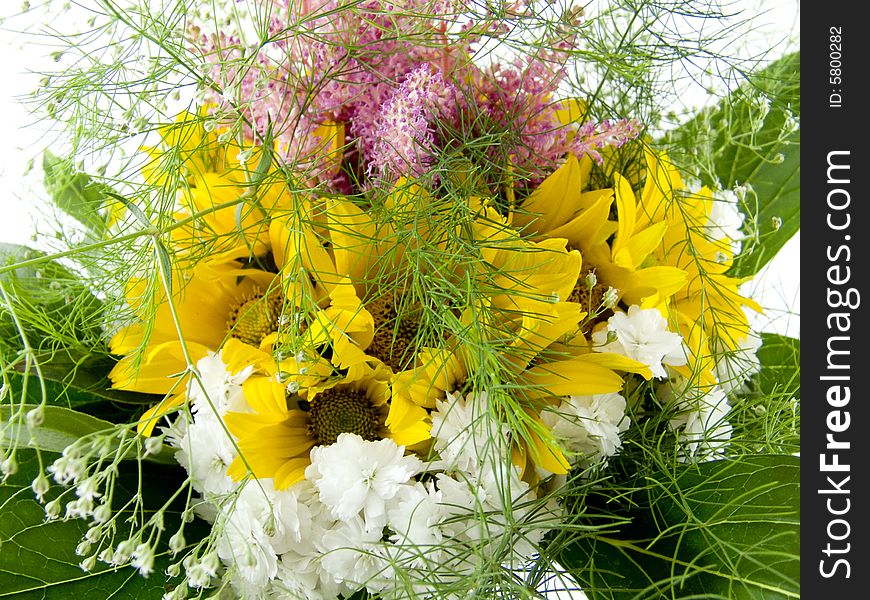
column 173, row 570
column 293, row 387
column 83, row 548
column 102, row 513
column 611, row 296
column 35, row 417
column 9, row 466
column 88, row 489
column 71, row 452
column 210, row 564
column 106, row 556
column 269, row 528
column 73, row 509
column 52, row 510
column 197, row 577
column 88, row 564
column 40, row 486
column 124, row 551
column 790, row 125
column 143, row 559
column 153, row 445
column 591, row 279
column 177, row 542
column 94, row 533
column 776, row 223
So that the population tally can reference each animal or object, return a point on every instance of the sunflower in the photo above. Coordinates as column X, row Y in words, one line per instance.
column 275, row 439
column 533, row 366
column 211, row 301
column 272, row 316
column 230, row 192
column 386, row 325
column 619, row 253
column 708, row 307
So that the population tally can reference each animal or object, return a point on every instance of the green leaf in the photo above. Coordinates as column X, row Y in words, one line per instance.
column 737, row 153
column 725, row 529
column 57, row 304
column 38, row 559
column 780, row 358
column 77, row 194
column 60, row 428
column 70, row 384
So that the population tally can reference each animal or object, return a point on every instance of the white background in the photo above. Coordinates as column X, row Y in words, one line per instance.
column 26, row 38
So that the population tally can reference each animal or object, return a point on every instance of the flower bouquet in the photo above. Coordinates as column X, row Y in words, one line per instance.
column 414, row 299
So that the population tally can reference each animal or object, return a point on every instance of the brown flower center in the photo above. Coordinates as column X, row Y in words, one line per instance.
column 344, row 410
column 591, row 299
column 255, row 318
column 394, row 335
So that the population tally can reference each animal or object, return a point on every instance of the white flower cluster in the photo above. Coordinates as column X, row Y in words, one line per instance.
column 642, row 335
column 703, row 430
column 203, row 444
column 365, row 512
column 588, row 428
column 591, row 425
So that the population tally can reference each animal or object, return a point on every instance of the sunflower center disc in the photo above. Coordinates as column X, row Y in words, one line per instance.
column 394, row 335
column 255, row 318
column 338, row 411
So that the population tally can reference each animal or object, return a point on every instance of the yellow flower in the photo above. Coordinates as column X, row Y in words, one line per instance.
column 231, row 190
column 562, row 207
column 276, row 439
column 211, row 301
column 535, row 376
column 377, row 258
column 708, row 307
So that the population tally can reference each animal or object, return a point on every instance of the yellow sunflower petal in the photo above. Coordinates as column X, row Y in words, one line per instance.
column 238, row 355
column 148, row 420
column 617, row 362
column 292, row 471
column 355, row 239
column 265, row 395
column 572, row 377
column 546, row 454
column 591, row 227
column 626, row 209
column 641, row 245
column 554, row 201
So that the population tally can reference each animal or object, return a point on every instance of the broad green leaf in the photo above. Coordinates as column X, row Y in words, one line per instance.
column 726, row 529
column 57, row 305
column 38, row 559
column 60, row 428
column 77, row 194
column 72, row 385
column 737, row 152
